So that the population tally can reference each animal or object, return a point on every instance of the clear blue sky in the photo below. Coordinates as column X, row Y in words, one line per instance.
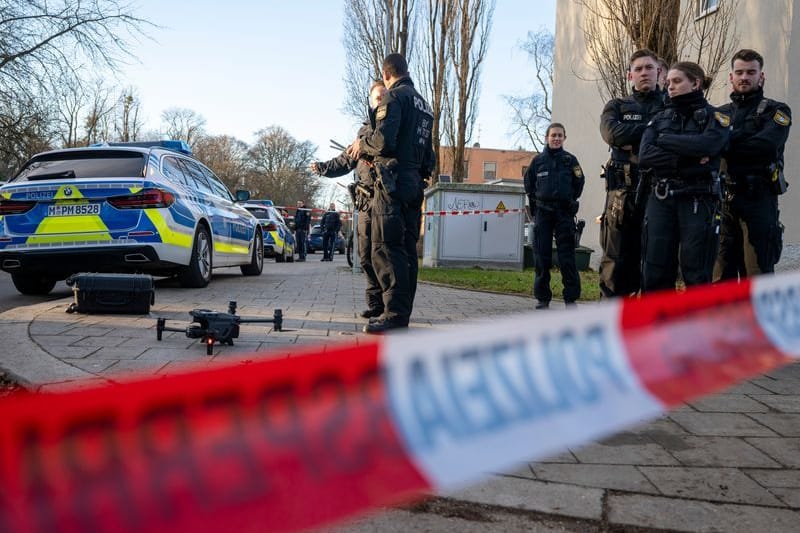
column 245, row 65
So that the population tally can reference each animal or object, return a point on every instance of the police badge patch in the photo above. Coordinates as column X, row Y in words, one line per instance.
column 576, row 170
column 724, row 120
column 380, row 114
column 781, row 118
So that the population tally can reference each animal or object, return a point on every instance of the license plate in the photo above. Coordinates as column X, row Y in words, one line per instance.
column 69, row 210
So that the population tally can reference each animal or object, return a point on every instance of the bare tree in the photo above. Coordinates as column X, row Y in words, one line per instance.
column 129, row 121
column 226, row 156
column 613, row 29
column 25, row 129
column 100, row 110
column 372, row 29
column 468, row 44
column 280, row 167
column 531, row 114
column 184, row 124
column 70, row 101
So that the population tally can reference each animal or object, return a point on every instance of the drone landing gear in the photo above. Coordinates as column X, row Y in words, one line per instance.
column 215, row 327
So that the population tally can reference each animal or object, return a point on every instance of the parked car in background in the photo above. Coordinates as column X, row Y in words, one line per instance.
column 314, row 240
column 278, row 238
column 122, row 207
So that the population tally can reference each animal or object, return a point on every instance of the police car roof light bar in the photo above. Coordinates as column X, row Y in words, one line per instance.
column 174, row 145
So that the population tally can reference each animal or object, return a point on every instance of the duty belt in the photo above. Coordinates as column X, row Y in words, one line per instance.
column 622, row 175
column 669, row 188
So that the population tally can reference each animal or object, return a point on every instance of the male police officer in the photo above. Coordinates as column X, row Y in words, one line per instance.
column 330, row 225
column 622, row 124
column 302, row 220
column 751, row 233
column 400, row 145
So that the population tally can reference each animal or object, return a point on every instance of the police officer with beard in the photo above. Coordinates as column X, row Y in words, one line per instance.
column 364, row 191
column 682, row 146
column 751, row 237
column 554, row 182
column 622, row 124
column 400, row 145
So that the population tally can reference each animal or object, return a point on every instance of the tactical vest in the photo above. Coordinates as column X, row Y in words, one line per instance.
column 553, row 174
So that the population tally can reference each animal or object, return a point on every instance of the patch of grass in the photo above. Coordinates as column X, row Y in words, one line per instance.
column 507, row 281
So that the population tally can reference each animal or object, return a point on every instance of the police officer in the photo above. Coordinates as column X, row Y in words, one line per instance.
column 622, row 124
column 751, row 238
column 302, row 221
column 682, row 147
column 364, row 191
column 400, row 145
column 330, row 225
column 554, row 182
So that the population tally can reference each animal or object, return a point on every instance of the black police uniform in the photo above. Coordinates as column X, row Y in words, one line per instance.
column 330, row 225
column 681, row 221
column 302, row 221
column 364, row 168
column 751, row 238
column 554, row 182
column 400, row 144
column 622, row 124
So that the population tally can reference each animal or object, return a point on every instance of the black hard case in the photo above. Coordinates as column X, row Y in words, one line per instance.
column 111, row 293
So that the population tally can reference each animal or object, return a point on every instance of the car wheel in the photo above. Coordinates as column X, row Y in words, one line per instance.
column 290, row 257
column 256, row 265
column 198, row 273
column 33, row 285
column 281, row 257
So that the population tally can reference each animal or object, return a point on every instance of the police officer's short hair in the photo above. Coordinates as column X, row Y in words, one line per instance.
column 396, row 65
column 555, row 125
column 376, row 83
column 694, row 72
column 642, row 52
column 746, row 54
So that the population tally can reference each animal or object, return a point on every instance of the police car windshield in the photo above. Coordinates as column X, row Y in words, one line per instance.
column 84, row 164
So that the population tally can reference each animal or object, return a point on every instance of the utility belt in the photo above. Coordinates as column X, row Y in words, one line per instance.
column 771, row 181
column 664, row 188
column 620, row 175
column 555, row 205
column 361, row 194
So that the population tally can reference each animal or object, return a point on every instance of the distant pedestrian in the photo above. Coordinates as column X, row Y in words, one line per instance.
column 331, row 224
column 302, row 221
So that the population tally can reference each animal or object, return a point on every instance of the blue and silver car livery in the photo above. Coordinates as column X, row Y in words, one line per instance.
column 122, row 207
column 278, row 238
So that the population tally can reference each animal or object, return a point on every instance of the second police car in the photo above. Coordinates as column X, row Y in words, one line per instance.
column 122, row 207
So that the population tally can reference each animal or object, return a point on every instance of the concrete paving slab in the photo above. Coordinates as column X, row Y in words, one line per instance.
column 784, row 450
column 775, row 478
column 713, row 484
column 616, row 477
column 723, row 452
column 782, row 403
column 729, row 403
column 778, row 386
column 786, row 425
column 627, row 454
column 676, row 514
column 721, row 425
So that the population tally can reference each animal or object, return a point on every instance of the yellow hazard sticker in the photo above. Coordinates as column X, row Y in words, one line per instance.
column 723, row 119
column 380, row 114
column 577, row 171
column 501, row 206
column 781, row 118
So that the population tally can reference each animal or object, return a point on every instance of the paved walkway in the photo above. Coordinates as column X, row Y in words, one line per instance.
column 729, row 462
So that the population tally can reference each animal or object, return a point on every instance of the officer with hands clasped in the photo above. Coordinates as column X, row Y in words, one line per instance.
column 363, row 192
column 554, row 182
column 622, row 124
column 751, row 238
column 401, row 146
column 681, row 149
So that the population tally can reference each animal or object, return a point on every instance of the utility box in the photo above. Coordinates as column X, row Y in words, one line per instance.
column 474, row 225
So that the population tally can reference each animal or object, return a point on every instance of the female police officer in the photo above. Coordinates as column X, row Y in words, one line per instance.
column 681, row 151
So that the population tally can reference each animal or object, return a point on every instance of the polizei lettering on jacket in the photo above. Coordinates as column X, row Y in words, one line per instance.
column 497, row 387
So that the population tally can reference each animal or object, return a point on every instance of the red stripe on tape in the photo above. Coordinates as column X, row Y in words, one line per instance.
column 267, row 446
column 684, row 345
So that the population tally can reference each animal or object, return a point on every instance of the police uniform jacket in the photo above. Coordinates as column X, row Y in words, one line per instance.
column 330, row 222
column 760, row 129
column 685, row 132
column 624, row 120
column 302, row 219
column 554, row 177
column 403, row 124
column 343, row 163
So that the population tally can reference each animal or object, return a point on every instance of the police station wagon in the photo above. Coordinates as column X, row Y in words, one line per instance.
column 122, row 207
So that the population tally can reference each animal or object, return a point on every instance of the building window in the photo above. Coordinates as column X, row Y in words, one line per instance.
column 489, row 170
column 706, row 7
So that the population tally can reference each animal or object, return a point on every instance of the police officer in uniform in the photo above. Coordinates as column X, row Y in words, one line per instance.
column 622, row 124
column 330, row 224
column 682, row 146
column 364, row 191
column 751, row 238
column 553, row 183
column 302, row 221
column 400, row 144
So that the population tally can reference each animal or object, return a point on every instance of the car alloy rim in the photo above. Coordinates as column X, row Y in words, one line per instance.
column 204, row 255
column 259, row 251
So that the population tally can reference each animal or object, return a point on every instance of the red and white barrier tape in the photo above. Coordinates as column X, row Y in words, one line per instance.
column 284, row 445
column 472, row 212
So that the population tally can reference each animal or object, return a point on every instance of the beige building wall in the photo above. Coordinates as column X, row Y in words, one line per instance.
column 764, row 25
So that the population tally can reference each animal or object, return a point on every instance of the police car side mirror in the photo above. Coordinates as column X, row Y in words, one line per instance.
column 242, row 195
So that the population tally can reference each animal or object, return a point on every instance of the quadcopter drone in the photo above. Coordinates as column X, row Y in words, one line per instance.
column 213, row 326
